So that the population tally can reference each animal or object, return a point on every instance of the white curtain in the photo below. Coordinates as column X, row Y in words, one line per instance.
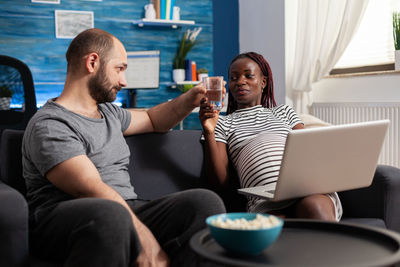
column 323, row 31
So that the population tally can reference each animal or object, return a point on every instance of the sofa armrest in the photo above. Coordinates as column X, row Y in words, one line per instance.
column 380, row 200
column 13, row 227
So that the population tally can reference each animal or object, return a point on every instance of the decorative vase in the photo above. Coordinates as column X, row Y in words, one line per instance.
column 397, row 59
column 5, row 103
column 200, row 76
column 178, row 75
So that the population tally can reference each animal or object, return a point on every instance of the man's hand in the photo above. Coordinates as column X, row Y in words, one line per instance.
column 197, row 93
column 151, row 254
column 79, row 177
column 165, row 116
column 194, row 95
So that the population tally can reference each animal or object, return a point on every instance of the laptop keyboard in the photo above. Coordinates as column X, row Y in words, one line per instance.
column 269, row 191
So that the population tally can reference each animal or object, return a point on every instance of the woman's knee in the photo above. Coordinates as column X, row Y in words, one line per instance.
column 316, row 207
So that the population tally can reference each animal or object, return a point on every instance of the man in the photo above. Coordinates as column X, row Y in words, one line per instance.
column 83, row 208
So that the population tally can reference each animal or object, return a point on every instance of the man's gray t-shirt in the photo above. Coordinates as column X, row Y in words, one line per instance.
column 56, row 134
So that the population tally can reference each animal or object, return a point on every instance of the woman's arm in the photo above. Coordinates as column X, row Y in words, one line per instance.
column 216, row 160
column 298, row 126
column 216, row 156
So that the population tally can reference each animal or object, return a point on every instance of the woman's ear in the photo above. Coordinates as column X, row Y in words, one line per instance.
column 263, row 82
column 92, row 62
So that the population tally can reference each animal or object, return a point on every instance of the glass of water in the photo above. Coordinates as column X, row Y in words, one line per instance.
column 214, row 90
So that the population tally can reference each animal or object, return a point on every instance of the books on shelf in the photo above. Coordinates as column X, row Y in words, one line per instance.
column 188, row 70
column 194, row 71
column 163, row 5
column 157, row 8
column 171, row 9
column 166, row 8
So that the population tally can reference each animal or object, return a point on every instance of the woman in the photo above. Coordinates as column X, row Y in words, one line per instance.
column 252, row 135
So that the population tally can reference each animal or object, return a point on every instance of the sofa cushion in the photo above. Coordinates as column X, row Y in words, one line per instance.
column 13, row 227
column 311, row 121
column 163, row 163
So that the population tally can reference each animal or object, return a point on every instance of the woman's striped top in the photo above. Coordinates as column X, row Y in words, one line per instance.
column 255, row 139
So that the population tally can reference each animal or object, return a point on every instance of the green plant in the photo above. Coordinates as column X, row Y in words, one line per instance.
column 185, row 45
column 202, row 70
column 5, row 91
column 396, row 30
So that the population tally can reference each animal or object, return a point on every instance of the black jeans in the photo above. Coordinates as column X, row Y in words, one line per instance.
column 97, row 232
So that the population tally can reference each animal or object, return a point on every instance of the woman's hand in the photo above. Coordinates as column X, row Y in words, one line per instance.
column 208, row 116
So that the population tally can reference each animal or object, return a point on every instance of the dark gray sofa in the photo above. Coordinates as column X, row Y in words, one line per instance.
column 162, row 164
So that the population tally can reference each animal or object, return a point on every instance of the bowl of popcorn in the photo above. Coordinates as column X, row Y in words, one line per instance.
column 245, row 233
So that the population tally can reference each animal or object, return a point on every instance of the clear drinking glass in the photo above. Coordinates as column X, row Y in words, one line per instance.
column 214, row 90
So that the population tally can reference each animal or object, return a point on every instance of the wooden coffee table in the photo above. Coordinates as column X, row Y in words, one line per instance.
column 311, row 243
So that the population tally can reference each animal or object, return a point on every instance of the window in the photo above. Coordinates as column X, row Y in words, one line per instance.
column 371, row 48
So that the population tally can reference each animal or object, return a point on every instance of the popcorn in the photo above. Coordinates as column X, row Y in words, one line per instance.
column 260, row 222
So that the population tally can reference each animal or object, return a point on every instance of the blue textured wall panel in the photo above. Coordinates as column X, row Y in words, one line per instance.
column 226, row 34
column 27, row 32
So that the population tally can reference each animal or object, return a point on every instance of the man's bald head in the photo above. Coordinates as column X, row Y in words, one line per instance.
column 89, row 41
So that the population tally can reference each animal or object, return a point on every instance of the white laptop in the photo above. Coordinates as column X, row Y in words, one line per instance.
column 326, row 159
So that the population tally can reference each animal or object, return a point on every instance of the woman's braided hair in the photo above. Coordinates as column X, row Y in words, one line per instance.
column 267, row 98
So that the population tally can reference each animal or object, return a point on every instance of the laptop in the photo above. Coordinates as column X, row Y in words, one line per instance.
column 326, row 159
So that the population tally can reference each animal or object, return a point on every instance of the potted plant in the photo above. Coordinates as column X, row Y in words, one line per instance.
column 203, row 72
column 185, row 45
column 5, row 97
column 396, row 38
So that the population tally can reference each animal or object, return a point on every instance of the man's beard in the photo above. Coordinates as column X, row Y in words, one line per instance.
column 101, row 89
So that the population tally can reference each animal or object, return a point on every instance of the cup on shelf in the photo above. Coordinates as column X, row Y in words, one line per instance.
column 214, row 87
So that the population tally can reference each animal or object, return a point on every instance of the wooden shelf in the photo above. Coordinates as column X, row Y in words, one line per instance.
column 175, row 85
column 163, row 23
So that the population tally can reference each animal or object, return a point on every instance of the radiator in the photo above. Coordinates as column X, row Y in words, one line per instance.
column 342, row 113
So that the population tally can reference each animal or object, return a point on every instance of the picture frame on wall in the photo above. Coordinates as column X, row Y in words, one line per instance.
column 144, row 69
column 70, row 23
column 47, row 1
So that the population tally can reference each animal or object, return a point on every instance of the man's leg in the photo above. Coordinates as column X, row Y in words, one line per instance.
column 174, row 219
column 87, row 232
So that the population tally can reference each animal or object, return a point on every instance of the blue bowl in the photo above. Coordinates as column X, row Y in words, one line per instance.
column 251, row 242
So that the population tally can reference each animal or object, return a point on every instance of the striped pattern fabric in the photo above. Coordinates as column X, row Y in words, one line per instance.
column 256, row 139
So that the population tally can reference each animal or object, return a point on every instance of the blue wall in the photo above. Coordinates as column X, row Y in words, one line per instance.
column 27, row 32
column 226, row 34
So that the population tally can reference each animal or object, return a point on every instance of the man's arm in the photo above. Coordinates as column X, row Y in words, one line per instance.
column 163, row 117
column 79, row 177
